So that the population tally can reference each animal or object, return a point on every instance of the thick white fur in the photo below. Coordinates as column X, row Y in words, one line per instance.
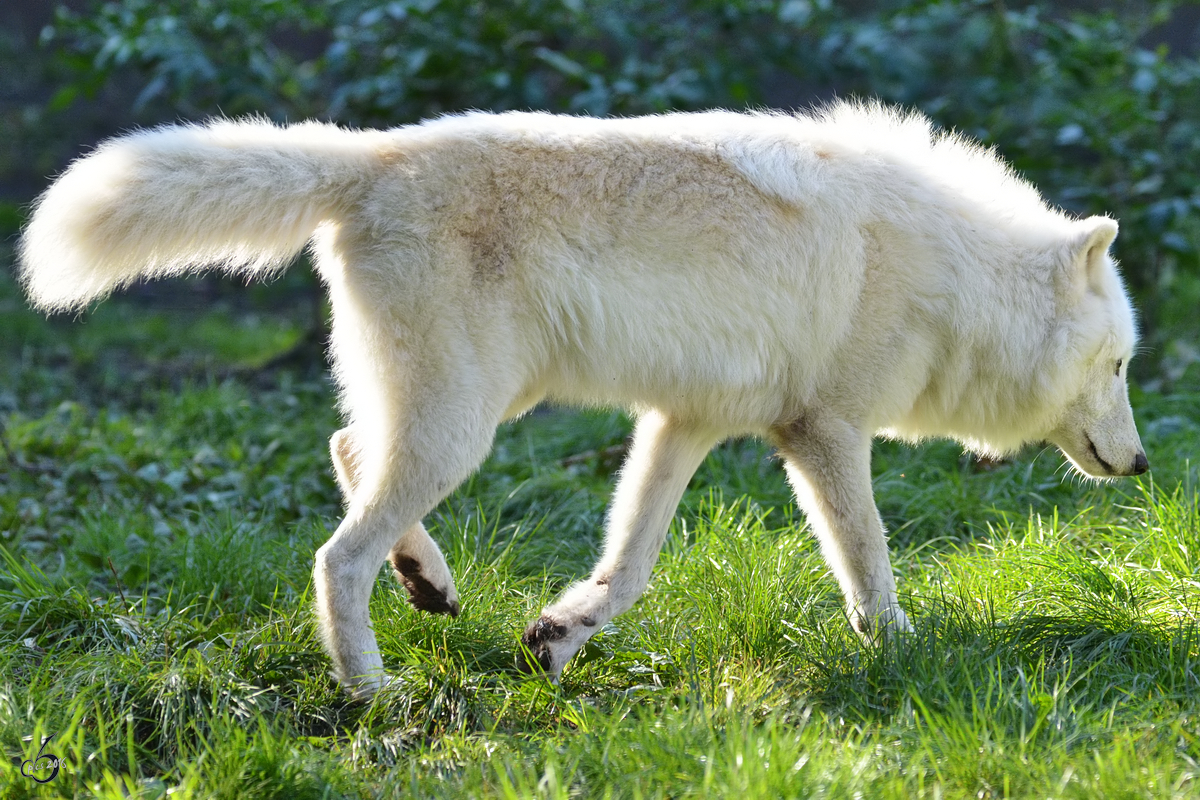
column 815, row 280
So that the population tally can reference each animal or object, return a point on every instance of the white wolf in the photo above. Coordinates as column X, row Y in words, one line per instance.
column 811, row 279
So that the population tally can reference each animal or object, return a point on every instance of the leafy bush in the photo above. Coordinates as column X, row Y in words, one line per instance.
column 375, row 63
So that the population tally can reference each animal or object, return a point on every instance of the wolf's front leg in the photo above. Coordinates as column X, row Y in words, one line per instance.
column 828, row 462
column 665, row 453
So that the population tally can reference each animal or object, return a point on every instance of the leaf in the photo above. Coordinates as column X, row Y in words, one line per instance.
column 63, row 98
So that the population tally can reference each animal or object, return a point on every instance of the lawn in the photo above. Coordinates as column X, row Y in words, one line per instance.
column 165, row 482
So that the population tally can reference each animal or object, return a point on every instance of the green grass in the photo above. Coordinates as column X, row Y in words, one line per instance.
column 161, row 501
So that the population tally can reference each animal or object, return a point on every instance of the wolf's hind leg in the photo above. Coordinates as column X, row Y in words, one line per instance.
column 419, row 565
column 343, row 450
column 405, row 470
column 828, row 462
column 665, row 453
column 416, row 560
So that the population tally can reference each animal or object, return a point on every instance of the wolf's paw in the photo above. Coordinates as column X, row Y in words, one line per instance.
column 423, row 592
column 885, row 622
column 893, row 620
column 550, row 643
column 556, row 635
column 540, row 639
column 363, row 688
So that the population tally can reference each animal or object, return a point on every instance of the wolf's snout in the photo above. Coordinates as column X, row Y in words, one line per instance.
column 1101, row 457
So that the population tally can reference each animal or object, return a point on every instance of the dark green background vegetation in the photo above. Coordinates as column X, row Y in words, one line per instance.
column 164, row 480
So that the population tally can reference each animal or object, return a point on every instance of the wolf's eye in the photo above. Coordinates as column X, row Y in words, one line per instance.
column 1120, row 361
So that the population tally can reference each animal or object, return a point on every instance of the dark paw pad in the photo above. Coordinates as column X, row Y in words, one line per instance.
column 422, row 594
column 537, row 638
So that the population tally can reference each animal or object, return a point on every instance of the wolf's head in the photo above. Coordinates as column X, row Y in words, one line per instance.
column 1094, row 343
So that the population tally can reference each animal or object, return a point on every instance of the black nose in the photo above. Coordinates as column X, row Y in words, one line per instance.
column 1140, row 464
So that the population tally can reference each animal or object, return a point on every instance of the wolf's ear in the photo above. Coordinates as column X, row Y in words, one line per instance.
column 1087, row 257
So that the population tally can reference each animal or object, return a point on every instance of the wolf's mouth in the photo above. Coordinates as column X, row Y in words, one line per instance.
column 1092, row 449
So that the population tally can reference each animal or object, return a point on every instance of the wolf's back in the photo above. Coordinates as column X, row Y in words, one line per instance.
column 240, row 196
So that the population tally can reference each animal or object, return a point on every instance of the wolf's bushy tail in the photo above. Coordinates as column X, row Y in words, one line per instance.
column 244, row 197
